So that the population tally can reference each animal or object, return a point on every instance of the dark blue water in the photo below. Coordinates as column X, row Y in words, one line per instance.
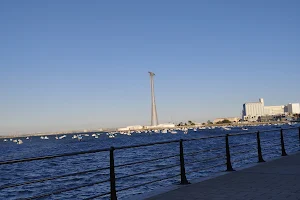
column 201, row 164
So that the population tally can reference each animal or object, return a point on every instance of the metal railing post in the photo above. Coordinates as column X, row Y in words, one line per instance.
column 299, row 134
column 283, row 153
column 113, row 192
column 184, row 180
column 228, row 160
column 260, row 157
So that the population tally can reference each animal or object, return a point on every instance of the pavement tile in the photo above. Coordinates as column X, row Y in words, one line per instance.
column 278, row 179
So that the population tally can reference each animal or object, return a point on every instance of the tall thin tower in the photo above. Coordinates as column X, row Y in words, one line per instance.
column 154, row 120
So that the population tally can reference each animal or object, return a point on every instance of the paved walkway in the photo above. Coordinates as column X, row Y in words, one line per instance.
column 277, row 179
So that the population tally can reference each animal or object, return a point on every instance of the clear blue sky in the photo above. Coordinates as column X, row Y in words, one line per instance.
column 83, row 64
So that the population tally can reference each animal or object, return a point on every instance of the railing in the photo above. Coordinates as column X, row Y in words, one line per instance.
column 233, row 154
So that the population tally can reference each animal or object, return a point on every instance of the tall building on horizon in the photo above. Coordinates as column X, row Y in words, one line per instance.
column 154, row 120
column 252, row 111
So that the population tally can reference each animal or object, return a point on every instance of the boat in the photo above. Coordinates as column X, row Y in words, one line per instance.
column 19, row 141
column 245, row 129
column 111, row 136
column 185, row 132
column 5, row 140
column 62, row 137
column 27, row 138
column 46, row 138
column 173, row 132
column 74, row 137
column 164, row 131
column 195, row 130
column 94, row 135
column 56, row 137
column 226, row 128
column 42, row 137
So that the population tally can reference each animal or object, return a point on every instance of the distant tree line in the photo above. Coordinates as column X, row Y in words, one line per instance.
column 225, row 121
column 189, row 123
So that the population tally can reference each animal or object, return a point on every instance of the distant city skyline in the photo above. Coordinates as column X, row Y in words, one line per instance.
column 70, row 65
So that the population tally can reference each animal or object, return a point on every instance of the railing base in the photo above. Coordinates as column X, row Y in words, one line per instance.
column 185, row 182
column 230, row 170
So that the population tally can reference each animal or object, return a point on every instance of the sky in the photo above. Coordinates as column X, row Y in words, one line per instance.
column 72, row 64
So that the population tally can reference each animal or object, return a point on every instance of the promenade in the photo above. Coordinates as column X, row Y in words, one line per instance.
column 277, row 179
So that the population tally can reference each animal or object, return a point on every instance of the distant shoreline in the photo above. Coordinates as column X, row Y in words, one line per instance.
column 158, row 128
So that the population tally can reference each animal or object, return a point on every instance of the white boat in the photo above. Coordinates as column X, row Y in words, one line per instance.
column 10, row 139
column 5, row 140
column 62, row 137
column 79, row 137
column 19, row 141
column 46, row 138
column 226, row 128
column 15, row 141
column 74, row 137
column 173, row 132
column 195, row 130
column 42, row 137
column 56, row 137
column 164, row 131
column 245, row 129
column 111, row 136
column 27, row 138
column 185, row 132
column 94, row 135
column 87, row 135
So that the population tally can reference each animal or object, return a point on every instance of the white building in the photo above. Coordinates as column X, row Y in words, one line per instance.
column 135, row 127
column 167, row 125
column 123, row 129
column 251, row 111
column 293, row 108
column 274, row 110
